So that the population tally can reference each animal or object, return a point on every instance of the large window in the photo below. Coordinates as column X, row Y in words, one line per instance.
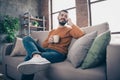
column 106, row 11
column 58, row 5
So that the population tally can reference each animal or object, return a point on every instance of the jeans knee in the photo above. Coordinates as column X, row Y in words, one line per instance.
column 26, row 39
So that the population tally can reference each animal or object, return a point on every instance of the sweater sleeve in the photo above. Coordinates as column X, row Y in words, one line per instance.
column 76, row 32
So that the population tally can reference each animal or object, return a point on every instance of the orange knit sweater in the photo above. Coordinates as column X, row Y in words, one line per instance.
column 66, row 34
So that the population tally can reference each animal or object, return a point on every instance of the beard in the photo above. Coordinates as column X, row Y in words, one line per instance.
column 62, row 22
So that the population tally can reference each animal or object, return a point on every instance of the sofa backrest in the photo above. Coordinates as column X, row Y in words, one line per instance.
column 100, row 28
column 39, row 35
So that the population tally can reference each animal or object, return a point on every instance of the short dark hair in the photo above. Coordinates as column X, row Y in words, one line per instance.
column 63, row 11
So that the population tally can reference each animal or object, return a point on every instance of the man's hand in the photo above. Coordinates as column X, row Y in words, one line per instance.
column 51, row 40
column 70, row 22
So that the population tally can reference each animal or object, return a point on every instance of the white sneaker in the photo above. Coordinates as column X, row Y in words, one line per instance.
column 34, row 65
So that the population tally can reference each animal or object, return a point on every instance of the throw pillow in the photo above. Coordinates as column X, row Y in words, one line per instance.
column 97, row 53
column 80, row 48
column 18, row 49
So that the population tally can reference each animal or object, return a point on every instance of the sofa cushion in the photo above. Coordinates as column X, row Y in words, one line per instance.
column 97, row 53
column 18, row 49
column 80, row 48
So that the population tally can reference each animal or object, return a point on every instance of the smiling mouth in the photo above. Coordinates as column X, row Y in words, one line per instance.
column 62, row 19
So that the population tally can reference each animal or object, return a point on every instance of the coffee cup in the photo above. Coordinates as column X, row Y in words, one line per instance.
column 56, row 38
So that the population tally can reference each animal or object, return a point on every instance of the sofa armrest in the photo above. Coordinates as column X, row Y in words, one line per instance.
column 113, row 61
column 7, row 49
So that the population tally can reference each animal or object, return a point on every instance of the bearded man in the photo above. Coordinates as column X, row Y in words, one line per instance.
column 39, row 57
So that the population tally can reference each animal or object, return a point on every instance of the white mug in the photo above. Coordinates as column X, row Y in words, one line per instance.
column 56, row 38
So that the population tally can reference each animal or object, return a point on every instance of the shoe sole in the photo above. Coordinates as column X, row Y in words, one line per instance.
column 31, row 68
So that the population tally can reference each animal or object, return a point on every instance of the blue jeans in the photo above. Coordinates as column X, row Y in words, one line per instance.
column 32, row 47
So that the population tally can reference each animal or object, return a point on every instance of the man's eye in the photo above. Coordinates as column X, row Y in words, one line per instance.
column 65, row 16
column 61, row 14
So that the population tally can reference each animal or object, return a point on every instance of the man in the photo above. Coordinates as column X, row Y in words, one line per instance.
column 39, row 58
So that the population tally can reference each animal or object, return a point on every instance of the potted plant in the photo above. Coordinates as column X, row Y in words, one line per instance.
column 35, row 23
column 9, row 26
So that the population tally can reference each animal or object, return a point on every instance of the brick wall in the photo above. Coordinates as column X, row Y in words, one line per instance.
column 44, row 11
column 18, row 7
column 41, row 8
column 82, row 13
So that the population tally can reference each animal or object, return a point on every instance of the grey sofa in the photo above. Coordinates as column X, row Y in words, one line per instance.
column 109, row 70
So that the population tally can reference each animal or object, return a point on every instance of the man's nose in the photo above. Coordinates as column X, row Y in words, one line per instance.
column 63, row 17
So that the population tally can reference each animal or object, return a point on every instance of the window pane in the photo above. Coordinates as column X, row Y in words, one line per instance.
column 58, row 5
column 55, row 21
column 93, row 0
column 106, row 11
column 72, row 15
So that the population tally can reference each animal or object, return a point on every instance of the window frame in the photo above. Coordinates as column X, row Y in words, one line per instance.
column 90, row 13
column 52, row 13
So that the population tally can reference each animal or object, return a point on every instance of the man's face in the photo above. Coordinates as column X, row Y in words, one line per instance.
column 63, row 18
